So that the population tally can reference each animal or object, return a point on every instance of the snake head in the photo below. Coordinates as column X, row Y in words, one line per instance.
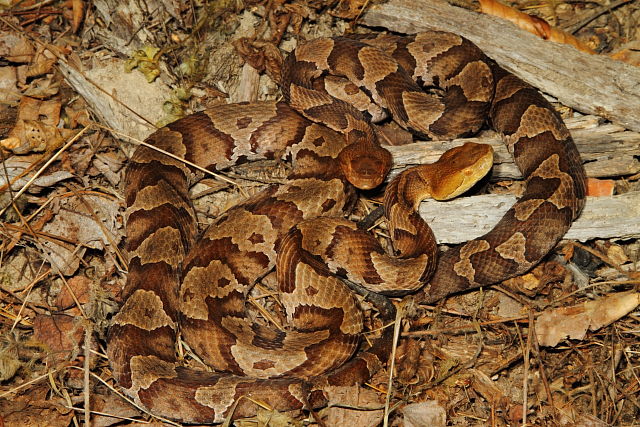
column 459, row 169
column 365, row 165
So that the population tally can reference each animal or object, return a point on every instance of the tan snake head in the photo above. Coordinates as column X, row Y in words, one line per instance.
column 459, row 169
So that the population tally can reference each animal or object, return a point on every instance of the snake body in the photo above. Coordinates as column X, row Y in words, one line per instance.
column 201, row 283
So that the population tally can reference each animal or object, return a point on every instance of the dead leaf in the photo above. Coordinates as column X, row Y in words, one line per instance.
column 616, row 254
column 350, row 9
column 9, row 357
column 357, row 397
column 42, row 63
column 19, row 170
column 33, row 409
column 60, row 333
column 429, row 413
column 43, row 88
column 75, row 223
column 572, row 322
column 29, row 136
column 532, row 24
column 36, row 127
column 77, row 7
column 261, row 55
column 490, row 391
column 80, row 286
column 600, row 187
column 8, row 85
column 113, row 405
column 630, row 56
column 407, row 360
column 15, row 48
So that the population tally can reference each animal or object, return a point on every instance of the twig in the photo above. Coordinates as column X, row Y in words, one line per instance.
column 392, row 364
column 574, row 27
column 45, row 166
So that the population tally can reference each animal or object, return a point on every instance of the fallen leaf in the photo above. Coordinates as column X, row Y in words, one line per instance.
column 357, row 397
column 75, row 223
column 80, row 286
column 554, row 325
column 60, row 333
column 616, row 254
column 36, row 127
column 629, row 53
column 350, row 9
column 78, row 14
column 41, row 63
column 19, row 170
column 600, row 187
column 15, row 48
column 110, row 404
column 407, row 361
column 532, row 24
column 8, row 85
column 490, row 391
column 429, row 413
column 33, row 409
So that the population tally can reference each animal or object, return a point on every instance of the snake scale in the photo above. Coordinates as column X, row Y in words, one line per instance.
column 436, row 84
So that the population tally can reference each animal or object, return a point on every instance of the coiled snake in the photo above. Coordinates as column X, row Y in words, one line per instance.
column 201, row 283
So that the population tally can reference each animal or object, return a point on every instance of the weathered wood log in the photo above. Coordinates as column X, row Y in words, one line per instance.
column 466, row 218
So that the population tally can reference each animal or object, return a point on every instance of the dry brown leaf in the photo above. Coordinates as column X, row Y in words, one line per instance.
column 36, row 127
column 490, row 391
column 113, row 405
column 76, row 224
column 15, row 48
column 357, row 397
column 630, row 56
column 29, row 136
column 600, row 187
column 532, row 24
column 78, row 15
column 61, row 335
column 8, row 85
column 616, row 254
column 349, row 9
column 19, row 170
column 42, row 63
column 80, row 286
column 429, row 413
column 34, row 409
column 572, row 322
column 407, row 358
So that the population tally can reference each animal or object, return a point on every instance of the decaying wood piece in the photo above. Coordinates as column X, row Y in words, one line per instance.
column 589, row 83
column 466, row 218
column 608, row 150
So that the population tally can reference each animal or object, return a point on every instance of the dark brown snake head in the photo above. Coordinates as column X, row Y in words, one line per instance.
column 365, row 165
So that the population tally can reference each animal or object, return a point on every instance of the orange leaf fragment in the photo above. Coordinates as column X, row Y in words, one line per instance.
column 532, row 24
column 600, row 187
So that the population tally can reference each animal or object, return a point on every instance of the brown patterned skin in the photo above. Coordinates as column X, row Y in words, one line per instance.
column 201, row 284
column 473, row 87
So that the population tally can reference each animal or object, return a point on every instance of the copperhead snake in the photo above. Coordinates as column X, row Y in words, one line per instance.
column 201, row 283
